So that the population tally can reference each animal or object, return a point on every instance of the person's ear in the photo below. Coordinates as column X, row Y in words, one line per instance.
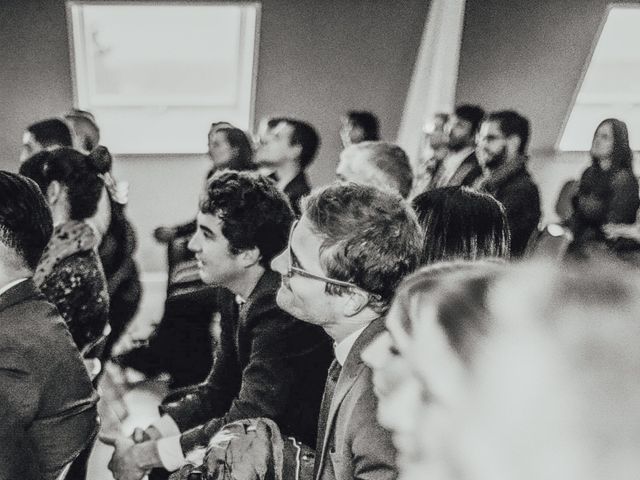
column 296, row 150
column 513, row 145
column 54, row 190
column 249, row 257
column 355, row 301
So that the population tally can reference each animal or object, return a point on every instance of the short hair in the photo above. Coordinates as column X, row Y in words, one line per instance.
column 85, row 128
column 512, row 123
column 25, row 218
column 82, row 175
column 461, row 224
column 307, row 137
column 254, row 213
column 370, row 237
column 472, row 114
column 51, row 132
column 238, row 140
column 367, row 121
column 390, row 160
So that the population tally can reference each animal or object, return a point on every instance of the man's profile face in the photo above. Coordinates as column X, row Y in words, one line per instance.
column 460, row 133
column 491, row 148
column 216, row 264
column 29, row 146
column 276, row 147
column 303, row 297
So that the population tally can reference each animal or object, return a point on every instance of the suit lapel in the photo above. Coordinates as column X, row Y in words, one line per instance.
column 18, row 293
column 351, row 369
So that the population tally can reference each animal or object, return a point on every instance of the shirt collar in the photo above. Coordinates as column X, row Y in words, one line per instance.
column 343, row 348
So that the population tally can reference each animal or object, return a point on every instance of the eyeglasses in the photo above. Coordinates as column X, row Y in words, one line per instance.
column 304, row 273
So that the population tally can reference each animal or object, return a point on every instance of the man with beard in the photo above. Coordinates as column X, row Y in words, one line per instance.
column 501, row 151
column 460, row 166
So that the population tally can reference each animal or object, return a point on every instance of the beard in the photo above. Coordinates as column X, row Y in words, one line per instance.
column 492, row 160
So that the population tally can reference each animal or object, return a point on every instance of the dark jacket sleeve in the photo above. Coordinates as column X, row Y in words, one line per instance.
column 521, row 202
column 624, row 198
column 276, row 347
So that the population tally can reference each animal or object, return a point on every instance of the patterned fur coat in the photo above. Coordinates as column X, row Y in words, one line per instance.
column 70, row 275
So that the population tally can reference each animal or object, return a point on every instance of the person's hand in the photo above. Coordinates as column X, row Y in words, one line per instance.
column 124, row 463
column 164, row 234
column 622, row 230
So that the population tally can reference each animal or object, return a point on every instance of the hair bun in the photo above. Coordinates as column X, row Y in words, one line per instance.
column 100, row 159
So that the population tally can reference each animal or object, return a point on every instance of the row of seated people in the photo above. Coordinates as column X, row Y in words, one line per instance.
column 494, row 223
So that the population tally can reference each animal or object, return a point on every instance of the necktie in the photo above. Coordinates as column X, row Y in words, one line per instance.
column 325, row 406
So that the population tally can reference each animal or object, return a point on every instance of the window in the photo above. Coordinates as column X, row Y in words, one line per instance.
column 157, row 75
column 611, row 84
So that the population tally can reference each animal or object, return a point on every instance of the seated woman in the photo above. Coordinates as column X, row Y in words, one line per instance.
column 420, row 364
column 461, row 224
column 608, row 189
column 69, row 273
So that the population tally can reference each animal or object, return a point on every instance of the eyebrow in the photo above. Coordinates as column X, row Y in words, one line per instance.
column 206, row 229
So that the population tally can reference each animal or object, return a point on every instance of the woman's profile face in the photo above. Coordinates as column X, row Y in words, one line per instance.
column 397, row 389
column 602, row 146
column 220, row 151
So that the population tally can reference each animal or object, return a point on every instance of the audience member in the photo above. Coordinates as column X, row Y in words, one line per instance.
column 436, row 322
column 359, row 126
column 289, row 149
column 379, row 164
column 346, row 255
column 45, row 135
column 460, row 166
column 69, row 272
column 268, row 364
column 461, row 224
column 433, row 151
column 501, row 151
column 555, row 394
column 47, row 404
column 84, row 129
column 607, row 191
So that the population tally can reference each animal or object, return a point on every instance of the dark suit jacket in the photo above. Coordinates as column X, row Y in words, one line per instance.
column 268, row 364
column 296, row 189
column 47, row 404
column 355, row 446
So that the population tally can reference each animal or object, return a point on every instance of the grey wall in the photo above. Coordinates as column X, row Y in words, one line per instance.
column 317, row 58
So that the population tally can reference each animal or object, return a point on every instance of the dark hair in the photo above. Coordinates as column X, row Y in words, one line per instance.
column 254, row 213
column 80, row 174
column 472, row 114
column 51, row 132
column 621, row 156
column 512, row 123
column 307, row 137
column 25, row 218
column 367, row 121
column 371, row 237
column 239, row 141
column 460, row 223
column 85, row 128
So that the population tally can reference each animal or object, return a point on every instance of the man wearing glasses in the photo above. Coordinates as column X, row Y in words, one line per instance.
column 346, row 255
column 268, row 364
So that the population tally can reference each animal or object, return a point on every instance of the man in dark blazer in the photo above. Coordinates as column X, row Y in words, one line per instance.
column 288, row 148
column 47, row 404
column 346, row 255
column 268, row 364
column 460, row 166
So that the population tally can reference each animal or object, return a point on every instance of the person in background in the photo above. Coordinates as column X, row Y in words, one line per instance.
column 45, row 135
column 288, row 150
column 69, row 272
column 359, row 126
column 346, row 255
column 47, row 404
column 461, row 224
column 85, row 131
column 433, row 151
column 380, row 164
column 501, row 151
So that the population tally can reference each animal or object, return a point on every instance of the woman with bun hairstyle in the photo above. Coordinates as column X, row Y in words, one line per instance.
column 69, row 273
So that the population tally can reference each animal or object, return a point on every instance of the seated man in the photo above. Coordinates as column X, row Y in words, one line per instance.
column 46, row 134
column 380, row 164
column 346, row 255
column 268, row 364
column 47, row 404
